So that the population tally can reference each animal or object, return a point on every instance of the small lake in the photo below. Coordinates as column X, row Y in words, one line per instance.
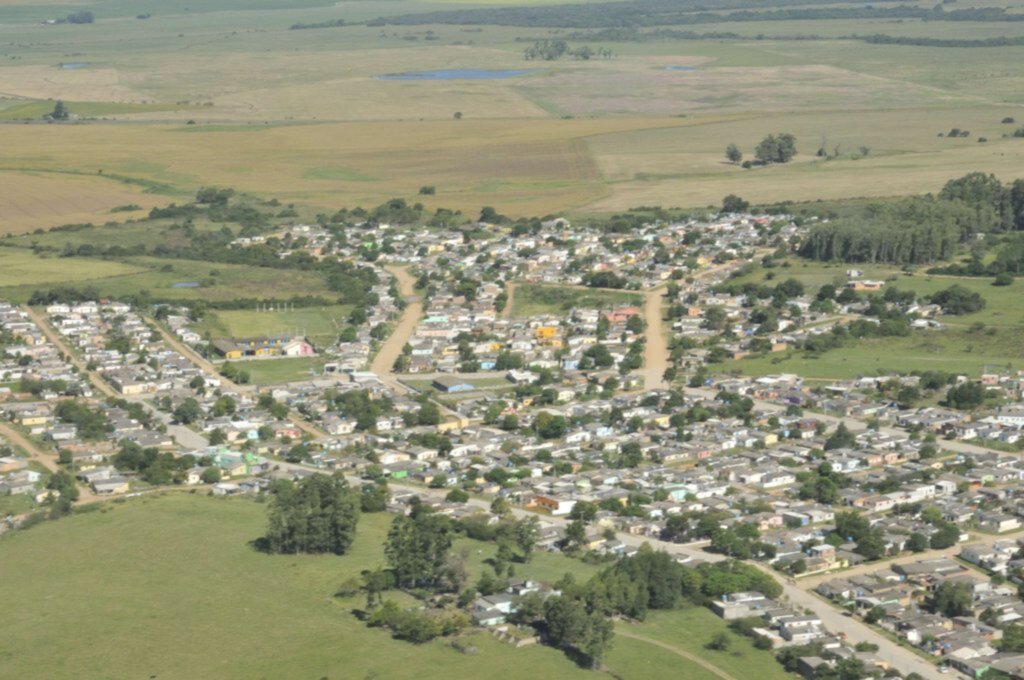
column 186, row 284
column 680, row 68
column 454, row 74
column 74, row 64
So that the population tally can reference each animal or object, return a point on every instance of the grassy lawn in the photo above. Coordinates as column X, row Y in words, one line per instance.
column 231, row 612
column 534, row 299
column 15, row 504
column 23, row 268
column 953, row 350
column 691, row 628
column 190, row 577
column 319, row 324
column 275, row 371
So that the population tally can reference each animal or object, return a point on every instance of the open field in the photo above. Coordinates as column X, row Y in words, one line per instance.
column 319, row 324
column 535, row 299
column 955, row 351
column 967, row 343
column 34, row 200
column 190, row 576
column 279, row 371
column 301, row 114
column 22, row 273
column 23, row 268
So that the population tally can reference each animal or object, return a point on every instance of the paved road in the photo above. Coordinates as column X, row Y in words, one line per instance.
column 855, row 631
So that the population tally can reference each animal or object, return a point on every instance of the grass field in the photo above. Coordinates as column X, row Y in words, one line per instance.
column 22, row 273
column 190, row 577
column 278, row 371
column 958, row 347
column 320, row 324
column 535, row 299
column 23, row 268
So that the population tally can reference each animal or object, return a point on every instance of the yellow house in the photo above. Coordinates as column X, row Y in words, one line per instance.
column 546, row 332
column 34, row 419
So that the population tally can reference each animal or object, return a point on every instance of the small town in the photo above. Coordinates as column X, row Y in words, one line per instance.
column 886, row 506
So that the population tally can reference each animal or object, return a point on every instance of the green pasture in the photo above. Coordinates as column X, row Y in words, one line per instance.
column 190, row 575
column 535, row 299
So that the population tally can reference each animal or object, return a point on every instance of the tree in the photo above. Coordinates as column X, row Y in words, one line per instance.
column 526, row 534
column 776, row 148
column 734, row 204
column 946, row 537
column 417, row 548
column 918, row 542
column 733, row 153
column 317, row 515
column 842, row 438
column 211, row 475
column 188, row 412
column 952, row 600
column 60, row 111
column 958, row 300
column 966, row 396
column 719, row 642
column 456, row 496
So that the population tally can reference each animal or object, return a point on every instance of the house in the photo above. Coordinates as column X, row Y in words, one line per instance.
column 110, row 485
column 451, row 385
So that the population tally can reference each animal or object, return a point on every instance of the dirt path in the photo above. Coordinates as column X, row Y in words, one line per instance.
column 679, row 652
column 45, row 458
column 510, row 291
column 392, row 348
column 59, row 343
column 656, row 346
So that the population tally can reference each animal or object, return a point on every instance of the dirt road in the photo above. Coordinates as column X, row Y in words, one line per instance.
column 656, row 346
column 47, row 459
column 58, row 342
column 392, row 348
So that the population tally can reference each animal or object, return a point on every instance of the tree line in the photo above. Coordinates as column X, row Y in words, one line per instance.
column 920, row 229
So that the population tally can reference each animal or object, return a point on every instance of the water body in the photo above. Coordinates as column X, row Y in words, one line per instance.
column 74, row 64
column 186, row 284
column 454, row 74
column 680, row 68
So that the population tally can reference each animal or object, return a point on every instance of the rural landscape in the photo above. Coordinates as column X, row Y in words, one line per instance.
column 627, row 339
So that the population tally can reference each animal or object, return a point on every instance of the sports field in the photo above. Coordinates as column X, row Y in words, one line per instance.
column 186, row 597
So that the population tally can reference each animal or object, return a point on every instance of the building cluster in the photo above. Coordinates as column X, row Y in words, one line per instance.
column 943, row 606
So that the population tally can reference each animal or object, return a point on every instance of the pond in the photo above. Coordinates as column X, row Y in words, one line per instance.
column 680, row 68
column 74, row 64
column 454, row 74
column 185, row 284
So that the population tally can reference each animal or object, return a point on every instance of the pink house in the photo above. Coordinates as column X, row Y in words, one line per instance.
column 298, row 348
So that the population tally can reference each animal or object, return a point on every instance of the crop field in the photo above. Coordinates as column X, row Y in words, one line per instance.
column 32, row 200
column 191, row 577
column 302, row 115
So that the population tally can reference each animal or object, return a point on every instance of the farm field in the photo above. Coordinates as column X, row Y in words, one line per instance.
column 33, row 200
column 534, row 299
column 301, row 115
column 191, row 577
